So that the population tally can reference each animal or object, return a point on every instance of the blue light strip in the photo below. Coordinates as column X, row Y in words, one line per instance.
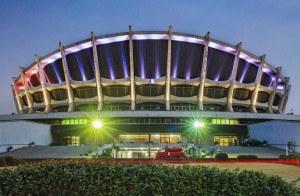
column 124, row 62
column 54, row 65
column 157, row 74
column 142, row 58
column 177, row 55
column 91, row 59
column 244, row 72
column 109, row 61
column 80, row 65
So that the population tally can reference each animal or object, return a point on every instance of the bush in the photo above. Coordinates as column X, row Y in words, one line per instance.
column 9, row 160
column 293, row 157
column 76, row 178
column 282, row 157
column 246, row 157
column 2, row 162
column 221, row 156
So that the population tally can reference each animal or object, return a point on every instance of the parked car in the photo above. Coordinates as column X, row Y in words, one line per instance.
column 251, row 142
column 171, row 152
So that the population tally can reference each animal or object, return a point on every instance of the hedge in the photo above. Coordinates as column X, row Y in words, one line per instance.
column 77, row 178
column 221, row 156
column 246, row 157
column 289, row 157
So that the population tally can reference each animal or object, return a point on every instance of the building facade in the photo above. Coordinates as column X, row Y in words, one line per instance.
column 150, row 87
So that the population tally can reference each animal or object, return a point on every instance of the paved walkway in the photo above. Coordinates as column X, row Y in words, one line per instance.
column 260, row 152
column 51, row 152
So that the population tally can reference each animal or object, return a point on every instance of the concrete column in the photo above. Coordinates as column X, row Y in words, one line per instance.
column 203, row 73
column 132, row 82
column 232, row 77
column 67, row 77
column 286, row 99
column 28, row 95
column 97, row 74
column 15, row 100
column 272, row 96
column 168, row 73
column 257, row 84
column 282, row 100
column 18, row 101
column 43, row 84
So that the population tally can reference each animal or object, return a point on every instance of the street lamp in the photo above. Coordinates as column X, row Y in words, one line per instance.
column 97, row 124
column 198, row 125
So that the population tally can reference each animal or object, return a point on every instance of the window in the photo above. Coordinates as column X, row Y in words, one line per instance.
column 58, row 94
column 215, row 92
column 184, row 90
column 85, row 92
column 242, row 94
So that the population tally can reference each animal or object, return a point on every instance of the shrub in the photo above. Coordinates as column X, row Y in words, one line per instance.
column 221, row 156
column 19, row 161
column 246, row 157
column 9, row 160
column 76, row 178
column 282, row 157
column 2, row 162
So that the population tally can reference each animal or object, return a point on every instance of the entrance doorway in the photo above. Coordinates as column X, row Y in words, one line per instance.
column 226, row 140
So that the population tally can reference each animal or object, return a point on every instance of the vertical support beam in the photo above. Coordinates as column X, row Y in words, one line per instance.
column 28, row 95
column 97, row 73
column 67, row 77
column 43, row 83
column 257, row 84
column 168, row 73
column 15, row 100
column 272, row 96
column 19, row 102
column 233, row 76
column 283, row 98
column 132, row 82
column 286, row 98
column 203, row 73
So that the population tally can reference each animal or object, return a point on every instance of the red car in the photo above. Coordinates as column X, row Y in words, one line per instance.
column 171, row 152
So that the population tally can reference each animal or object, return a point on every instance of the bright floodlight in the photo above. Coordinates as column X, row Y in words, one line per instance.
column 97, row 124
column 198, row 124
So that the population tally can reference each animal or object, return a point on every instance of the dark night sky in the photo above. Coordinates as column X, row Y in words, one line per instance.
column 270, row 27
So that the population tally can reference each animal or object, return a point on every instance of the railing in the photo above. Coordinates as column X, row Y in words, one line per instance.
column 146, row 145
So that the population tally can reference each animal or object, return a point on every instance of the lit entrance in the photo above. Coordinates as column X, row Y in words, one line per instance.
column 71, row 140
column 152, row 138
column 226, row 140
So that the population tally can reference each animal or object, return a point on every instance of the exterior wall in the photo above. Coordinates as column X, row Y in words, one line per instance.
column 277, row 133
column 110, row 132
column 19, row 134
column 216, row 67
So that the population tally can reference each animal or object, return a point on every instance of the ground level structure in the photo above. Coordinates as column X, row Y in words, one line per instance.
column 140, row 134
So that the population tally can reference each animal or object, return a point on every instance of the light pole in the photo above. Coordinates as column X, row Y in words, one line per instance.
column 97, row 124
column 198, row 125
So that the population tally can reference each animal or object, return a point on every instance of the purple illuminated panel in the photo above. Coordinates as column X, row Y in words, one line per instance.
column 150, row 58
column 267, row 79
column 246, row 72
column 186, row 60
column 219, row 65
column 81, row 65
column 54, row 72
column 114, row 60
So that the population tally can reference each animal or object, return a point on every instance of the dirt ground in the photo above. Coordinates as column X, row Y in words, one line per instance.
column 289, row 173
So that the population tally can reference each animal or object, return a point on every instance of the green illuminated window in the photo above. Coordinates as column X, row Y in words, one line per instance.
column 74, row 121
